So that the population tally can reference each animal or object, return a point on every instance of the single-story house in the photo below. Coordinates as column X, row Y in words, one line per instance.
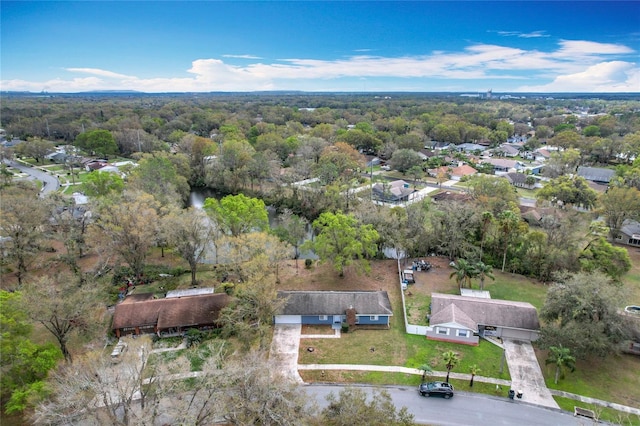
column 470, row 147
column 518, row 179
column 393, row 192
column 501, row 166
column 463, row 319
column 142, row 314
column 370, row 308
column 451, row 196
column 596, row 174
column 629, row 233
column 541, row 154
column 506, row 150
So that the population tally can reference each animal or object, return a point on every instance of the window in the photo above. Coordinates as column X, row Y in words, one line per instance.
column 442, row 330
column 462, row 333
column 322, row 317
column 373, row 318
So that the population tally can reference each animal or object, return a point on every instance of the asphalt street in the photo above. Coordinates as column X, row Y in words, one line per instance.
column 50, row 183
column 463, row 409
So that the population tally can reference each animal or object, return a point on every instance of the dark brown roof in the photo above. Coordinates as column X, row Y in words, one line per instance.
column 335, row 302
column 167, row 313
column 140, row 297
column 500, row 313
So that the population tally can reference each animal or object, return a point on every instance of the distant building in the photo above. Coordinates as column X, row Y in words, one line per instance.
column 596, row 174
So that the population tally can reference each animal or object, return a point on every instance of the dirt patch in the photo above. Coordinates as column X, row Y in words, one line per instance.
column 317, row 329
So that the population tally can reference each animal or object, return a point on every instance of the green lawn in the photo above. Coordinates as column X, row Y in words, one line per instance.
column 508, row 286
column 603, row 414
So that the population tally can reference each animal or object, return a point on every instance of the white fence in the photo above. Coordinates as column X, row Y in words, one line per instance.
column 420, row 330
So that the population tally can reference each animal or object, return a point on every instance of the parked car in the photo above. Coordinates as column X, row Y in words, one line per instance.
column 443, row 389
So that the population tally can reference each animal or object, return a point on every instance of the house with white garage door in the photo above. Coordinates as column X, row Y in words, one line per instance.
column 361, row 308
column 464, row 319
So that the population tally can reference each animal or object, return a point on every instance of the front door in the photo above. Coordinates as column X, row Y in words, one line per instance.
column 337, row 319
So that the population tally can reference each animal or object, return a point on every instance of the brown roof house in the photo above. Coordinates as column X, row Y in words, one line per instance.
column 168, row 317
column 363, row 308
column 463, row 319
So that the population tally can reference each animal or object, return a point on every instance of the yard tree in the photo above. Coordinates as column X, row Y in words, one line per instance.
column 127, row 227
column 354, row 403
column 24, row 364
column 482, row 271
column 23, row 221
column 618, row 205
column 255, row 393
column 566, row 190
column 238, row 214
column 463, row 271
column 100, row 184
column 493, row 194
column 35, row 148
column 93, row 391
column 189, row 232
column 509, row 224
column 342, row 241
column 293, row 230
column 62, row 307
column 473, row 370
column 99, row 141
column 454, row 224
column 581, row 313
column 603, row 256
column 562, row 162
column 157, row 175
column 450, row 359
column 562, row 359
column 69, row 225
column 426, row 369
column 346, row 160
column 403, row 160
column 250, row 315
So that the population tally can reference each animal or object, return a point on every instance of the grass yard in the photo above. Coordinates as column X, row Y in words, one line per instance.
column 603, row 414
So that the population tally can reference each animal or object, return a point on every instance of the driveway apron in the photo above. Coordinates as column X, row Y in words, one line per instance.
column 526, row 375
column 284, row 350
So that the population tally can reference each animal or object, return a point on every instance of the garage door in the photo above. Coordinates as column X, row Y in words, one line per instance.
column 288, row 319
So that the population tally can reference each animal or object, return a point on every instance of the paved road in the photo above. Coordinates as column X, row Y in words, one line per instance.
column 463, row 409
column 50, row 183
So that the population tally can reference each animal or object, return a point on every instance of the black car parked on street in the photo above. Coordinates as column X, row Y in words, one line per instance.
column 443, row 389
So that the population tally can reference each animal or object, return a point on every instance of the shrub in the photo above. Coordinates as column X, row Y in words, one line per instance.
column 308, row 263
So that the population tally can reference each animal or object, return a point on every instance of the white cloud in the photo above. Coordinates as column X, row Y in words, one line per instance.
column 574, row 66
column 99, row 72
column 242, row 56
column 532, row 34
column 614, row 76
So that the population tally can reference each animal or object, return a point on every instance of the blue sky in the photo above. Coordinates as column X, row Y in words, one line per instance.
column 423, row 46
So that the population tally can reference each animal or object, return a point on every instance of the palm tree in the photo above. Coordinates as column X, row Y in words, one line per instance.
column 474, row 369
column 487, row 219
column 483, row 271
column 509, row 222
column 426, row 369
column 450, row 360
column 563, row 360
column 463, row 271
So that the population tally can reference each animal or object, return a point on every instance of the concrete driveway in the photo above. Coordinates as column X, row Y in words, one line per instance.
column 284, row 350
column 526, row 375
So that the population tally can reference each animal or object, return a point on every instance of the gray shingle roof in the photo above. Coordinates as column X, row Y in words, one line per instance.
column 596, row 174
column 335, row 302
column 500, row 313
column 453, row 314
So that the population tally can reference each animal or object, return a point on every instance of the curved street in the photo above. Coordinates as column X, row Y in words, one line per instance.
column 49, row 183
column 463, row 409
